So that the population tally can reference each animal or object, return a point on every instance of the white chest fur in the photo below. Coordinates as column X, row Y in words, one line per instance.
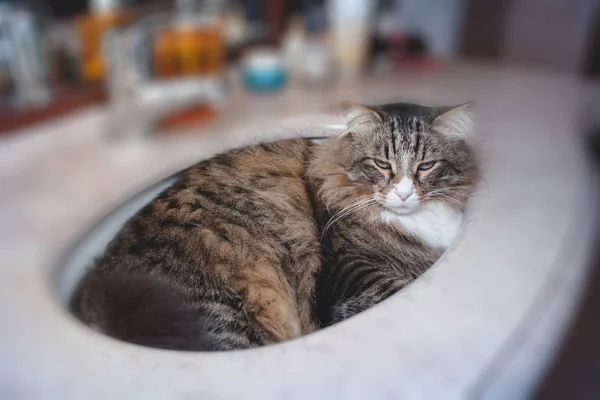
column 434, row 223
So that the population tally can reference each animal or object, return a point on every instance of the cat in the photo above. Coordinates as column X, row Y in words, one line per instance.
column 226, row 258
column 393, row 190
column 267, row 243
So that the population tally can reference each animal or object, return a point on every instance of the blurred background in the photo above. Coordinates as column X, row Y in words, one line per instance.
column 187, row 58
column 99, row 98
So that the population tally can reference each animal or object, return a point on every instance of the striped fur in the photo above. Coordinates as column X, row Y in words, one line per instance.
column 235, row 238
column 266, row 243
column 369, row 254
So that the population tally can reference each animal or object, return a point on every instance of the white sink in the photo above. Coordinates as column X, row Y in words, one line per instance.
column 483, row 322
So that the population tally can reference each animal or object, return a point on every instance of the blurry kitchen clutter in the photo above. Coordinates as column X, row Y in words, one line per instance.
column 23, row 67
column 162, row 65
column 351, row 23
column 263, row 70
column 192, row 44
column 104, row 16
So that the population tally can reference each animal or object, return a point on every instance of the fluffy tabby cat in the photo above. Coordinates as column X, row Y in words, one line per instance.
column 267, row 243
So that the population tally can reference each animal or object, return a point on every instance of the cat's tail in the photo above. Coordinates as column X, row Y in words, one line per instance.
column 141, row 309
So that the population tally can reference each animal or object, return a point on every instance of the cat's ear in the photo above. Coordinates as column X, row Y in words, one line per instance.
column 455, row 121
column 359, row 117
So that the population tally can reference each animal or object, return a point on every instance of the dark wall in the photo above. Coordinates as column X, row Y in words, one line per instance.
column 552, row 34
column 592, row 62
column 485, row 28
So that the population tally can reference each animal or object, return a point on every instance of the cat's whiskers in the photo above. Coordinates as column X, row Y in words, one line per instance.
column 354, row 207
column 451, row 195
column 447, row 198
column 347, row 213
column 446, row 192
column 454, row 188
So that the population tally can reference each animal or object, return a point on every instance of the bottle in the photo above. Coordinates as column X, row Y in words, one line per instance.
column 351, row 24
column 294, row 46
column 192, row 46
column 104, row 16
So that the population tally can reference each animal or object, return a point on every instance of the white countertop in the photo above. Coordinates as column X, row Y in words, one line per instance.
column 59, row 178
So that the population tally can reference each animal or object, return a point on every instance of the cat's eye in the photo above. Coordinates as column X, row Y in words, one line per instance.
column 382, row 164
column 426, row 165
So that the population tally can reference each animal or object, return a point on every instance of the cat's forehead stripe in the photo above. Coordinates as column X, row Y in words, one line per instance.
column 404, row 135
column 394, row 130
column 413, row 125
column 417, row 142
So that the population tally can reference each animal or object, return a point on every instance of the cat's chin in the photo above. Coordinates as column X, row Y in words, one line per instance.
column 402, row 210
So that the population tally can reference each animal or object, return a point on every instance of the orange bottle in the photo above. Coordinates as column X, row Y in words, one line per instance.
column 93, row 29
column 192, row 46
column 188, row 51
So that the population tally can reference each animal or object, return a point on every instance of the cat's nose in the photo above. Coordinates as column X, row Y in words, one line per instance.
column 405, row 188
column 404, row 194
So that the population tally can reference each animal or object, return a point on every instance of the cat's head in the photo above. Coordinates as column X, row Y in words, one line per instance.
column 397, row 157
